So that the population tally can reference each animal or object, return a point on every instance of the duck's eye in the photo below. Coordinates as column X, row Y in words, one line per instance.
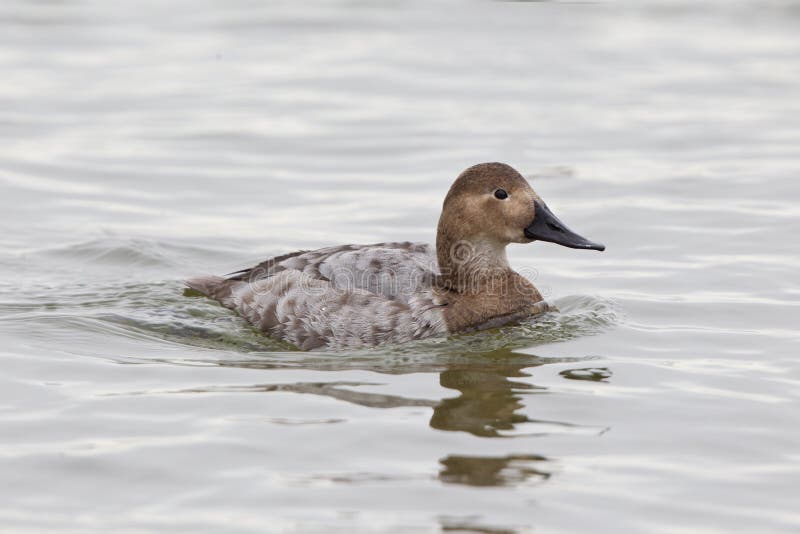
column 500, row 194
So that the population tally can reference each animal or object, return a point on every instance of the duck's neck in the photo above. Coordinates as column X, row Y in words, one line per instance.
column 471, row 266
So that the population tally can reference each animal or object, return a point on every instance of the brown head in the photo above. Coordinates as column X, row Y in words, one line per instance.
column 489, row 206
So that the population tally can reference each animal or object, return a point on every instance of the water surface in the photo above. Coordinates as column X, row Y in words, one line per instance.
column 144, row 143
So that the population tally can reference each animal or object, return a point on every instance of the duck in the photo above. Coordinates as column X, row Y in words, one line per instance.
column 362, row 296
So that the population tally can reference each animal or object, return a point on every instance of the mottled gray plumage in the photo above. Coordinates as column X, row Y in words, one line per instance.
column 337, row 297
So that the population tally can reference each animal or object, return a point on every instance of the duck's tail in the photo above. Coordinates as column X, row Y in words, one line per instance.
column 207, row 285
column 215, row 287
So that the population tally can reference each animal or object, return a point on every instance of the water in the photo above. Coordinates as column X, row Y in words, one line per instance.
column 147, row 142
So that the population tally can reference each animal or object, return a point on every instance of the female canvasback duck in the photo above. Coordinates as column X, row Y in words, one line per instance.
column 356, row 296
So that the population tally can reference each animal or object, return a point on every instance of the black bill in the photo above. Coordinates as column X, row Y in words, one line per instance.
column 547, row 227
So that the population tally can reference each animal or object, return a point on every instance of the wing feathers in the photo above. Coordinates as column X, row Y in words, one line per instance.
column 337, row 298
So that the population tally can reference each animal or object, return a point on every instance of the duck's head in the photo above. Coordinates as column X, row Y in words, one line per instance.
column 492, row 203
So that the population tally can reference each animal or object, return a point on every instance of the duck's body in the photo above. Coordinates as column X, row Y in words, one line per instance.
column 355, row 296
column 360, row 296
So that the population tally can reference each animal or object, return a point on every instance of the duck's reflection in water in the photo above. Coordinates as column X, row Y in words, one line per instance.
column 489, row 405
column 491, row 471
column 470, row 525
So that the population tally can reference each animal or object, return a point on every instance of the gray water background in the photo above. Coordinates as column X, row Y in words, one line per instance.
column 144, row 142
